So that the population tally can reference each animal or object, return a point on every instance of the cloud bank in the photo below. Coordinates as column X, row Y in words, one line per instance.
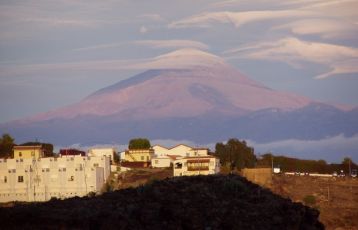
column 339, row 59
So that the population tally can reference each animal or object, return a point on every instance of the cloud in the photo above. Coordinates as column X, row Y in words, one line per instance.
column 63, row 22
column 347, row 67
column 340, row 59
column 326, row 28
column 152, row 17
column 237, row 18
column 179, row 59
column 154, row 44
column 101, row 46
column 172, row 44
column 331, row 148
column 143, row 30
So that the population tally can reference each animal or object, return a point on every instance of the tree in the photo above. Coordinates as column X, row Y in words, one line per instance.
column 48, row 148
column 116, row 158
column 6, row 145
column 235, row 154
column 139, row 143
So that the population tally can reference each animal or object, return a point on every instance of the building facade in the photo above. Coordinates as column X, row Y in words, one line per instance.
column 199, row 165
column 161, row 162
column 139, row 155
column 28, row 152
column 165, row 157
column 71, row 152
column 181, row 150
column 98, row 152
column 45, row 178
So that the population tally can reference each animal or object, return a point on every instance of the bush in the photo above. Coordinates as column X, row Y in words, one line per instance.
column 309, row 200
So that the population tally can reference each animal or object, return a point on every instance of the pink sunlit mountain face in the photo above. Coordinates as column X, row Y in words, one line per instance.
column 185, row 83
column 187, row 95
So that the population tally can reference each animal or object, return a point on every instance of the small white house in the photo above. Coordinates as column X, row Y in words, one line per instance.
column 164, row 157
column 276, row 170
column 200, row 165
column 180, row 150
column 99, row 152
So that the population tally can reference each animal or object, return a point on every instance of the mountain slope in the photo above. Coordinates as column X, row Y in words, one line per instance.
column 198, row 87
column 188, row 95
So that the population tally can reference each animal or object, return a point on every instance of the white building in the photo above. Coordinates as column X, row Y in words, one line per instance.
column 99, row 152
column 199, row 165
column 185, row 160
column 44, row 178
column 164, row 157
column 181, row 150
column 164, row 161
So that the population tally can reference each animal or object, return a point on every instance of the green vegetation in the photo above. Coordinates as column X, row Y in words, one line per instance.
column 235, row 154
column 290, row 164
column 139, row 143
column 6, row 145
column 309, row 200
column 116, row 158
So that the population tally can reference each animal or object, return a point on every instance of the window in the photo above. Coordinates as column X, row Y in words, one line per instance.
column 5, row 179
column 32, row 153
column 20, row 179
column 156, row 161
column 142, row 158
column 20, row 154
column 95, row 165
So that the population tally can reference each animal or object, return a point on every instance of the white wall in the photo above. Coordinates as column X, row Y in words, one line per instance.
column 161, row 162
column 160, row 150
column 213, row 166
column 99, row 152
column 51, row 177
column 179, row 150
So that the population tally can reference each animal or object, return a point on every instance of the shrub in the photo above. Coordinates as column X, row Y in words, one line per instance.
column 309, row 200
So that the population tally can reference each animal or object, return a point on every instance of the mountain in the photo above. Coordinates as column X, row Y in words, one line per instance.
column 187, row 94
column 201, row 83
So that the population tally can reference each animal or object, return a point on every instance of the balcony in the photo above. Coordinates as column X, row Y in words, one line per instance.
column 198, row 168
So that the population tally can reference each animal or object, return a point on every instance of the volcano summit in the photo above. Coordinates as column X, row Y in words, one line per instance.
column 187, row 95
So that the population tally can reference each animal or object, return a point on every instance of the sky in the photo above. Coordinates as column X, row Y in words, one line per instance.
column 54, row 53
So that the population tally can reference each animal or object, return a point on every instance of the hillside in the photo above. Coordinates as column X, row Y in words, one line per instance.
column 336, row 198
column 201, row 202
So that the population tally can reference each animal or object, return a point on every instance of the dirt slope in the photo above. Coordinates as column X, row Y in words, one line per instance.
column 336, row 198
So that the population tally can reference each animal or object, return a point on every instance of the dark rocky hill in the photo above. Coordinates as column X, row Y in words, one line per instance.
column 201, row 202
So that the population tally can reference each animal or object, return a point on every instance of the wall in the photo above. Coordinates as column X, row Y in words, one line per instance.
column 109, row 152
column 39, row 180
column 180, row 150
column 139, row 155
column 28, row 152
column 261, row 176
column 161, row 162
column 204, row 168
